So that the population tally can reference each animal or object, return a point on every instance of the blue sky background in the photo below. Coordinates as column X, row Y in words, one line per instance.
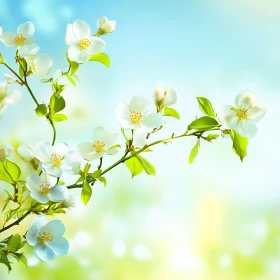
column 197, row 47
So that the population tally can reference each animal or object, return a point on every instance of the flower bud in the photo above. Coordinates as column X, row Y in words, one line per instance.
column 164, row 97
column 5, row 151
column 105, row 26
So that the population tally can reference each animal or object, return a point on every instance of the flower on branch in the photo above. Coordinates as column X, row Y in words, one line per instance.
column 81, row 44
column 164, row 97
column 105, row 26
column 40, row 65
column 135, row 114
column 244, row 116
column 46, row 237
column 103, row 143
column 57, row 159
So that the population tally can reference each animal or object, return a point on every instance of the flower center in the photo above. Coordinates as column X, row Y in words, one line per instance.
column 84, row 43
column 45, row 187
column 99, row 146
column 46, row 237
column 20, row 39
column 135, row 117
column 242, row 114
column 56, row 160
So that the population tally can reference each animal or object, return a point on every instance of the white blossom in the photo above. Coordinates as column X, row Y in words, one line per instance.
column 46, row 237
column 40, row 65
column 105, row 26
column 81, row 43
column 164, row 97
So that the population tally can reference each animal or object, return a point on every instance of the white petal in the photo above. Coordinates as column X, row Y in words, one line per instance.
column 59, row 245
column 13, row 98
column 0, row 30
column 97, row 45
column 94, row 155
column 28, row 51
column 101, row 21
column 43, row 151
column 45, row 178
column 71, row 163
column 170, row 97
column 43, row 65
column 58, row 193
column 139, row 104
column 256, row 112
column 27, row 29
column 33, row 182
column 81, row 29
column 152, row 120
column 40, row 196
column 8, row 39
column 122, row 112
column 4, row 88
column 60, row 149
column 44, row 252
column 139, row 138
column 109, row 27
column 229, row 117
column 102, row 135
column 55, row 227
column 77, row 54
column 110, row 139
column 159, row 91
column 33, row 232
column 112, row 151
column 246, row 128
column 70, row 38
column 245, row 100
column 85, row 148
column 52, row 170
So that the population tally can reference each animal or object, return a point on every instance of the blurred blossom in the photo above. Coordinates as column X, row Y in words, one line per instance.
column 118, row 248
column 141, row 252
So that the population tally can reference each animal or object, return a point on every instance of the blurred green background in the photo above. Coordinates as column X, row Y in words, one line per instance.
column 217, row 219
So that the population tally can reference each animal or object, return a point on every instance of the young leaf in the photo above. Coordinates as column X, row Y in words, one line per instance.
column 102, row 58
column 74, row 66
column 240, row 144
column 72, row 81
column 14, row 242
column 96, row 173
column 86, row 192
column 46, row 80
column 211, row 137
column 170, row 112
column 205, row 107
column 102, row 180
column 194, row 152
column 59, row 118
column 203, row 124
column 1, row 59
column 4, row 260
column 135, row 166
column 9, row 171
column 57, row 103
column 41, row 110
column 148, row 167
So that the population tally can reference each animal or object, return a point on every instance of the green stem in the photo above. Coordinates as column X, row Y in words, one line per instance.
column 30, row 91
column 125, row 157
column 54, row 131
column 14, row 72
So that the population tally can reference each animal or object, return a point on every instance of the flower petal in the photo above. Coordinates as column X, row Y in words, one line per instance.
column 27, row 29
column 94, row 155
column 60, row 149
column 40, row 196
column 59, row 245
column 13, row 98
column 122, row 112
column 77, row 54
column 246, row 128
column 85, row 148
column 139, row 104
column 81, row 29
column 256, row 112
column 33, row 232
column 97, row 45
column 55, row 227
column 4, row 88
column 170, row 97
column 101, row 21
column 45, row 178
column 70, row 38
column 152, row 120
column 43, row 65
column 43, row 151
column 51, row 170
column 229, row 117
column 33, row 182
column 245, row 100
column 28, row 51
column 139, row 138
column 25, row 153
column 44, row 252
column 71, row 163
column 8, row 38
column 58, row 193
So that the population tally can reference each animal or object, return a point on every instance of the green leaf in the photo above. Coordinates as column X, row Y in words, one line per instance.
column 4, row 260
column 203, row 124
column 194, row 152
column 14, row 242
column 135, row 166
column 22, row 66
column 59, row 118
column 211, row 137
column 87, row 167
column 240, row 144
column 148, row 167
column 72, row 81
column 74, row 66
column 86, row 192
column 1, row 59
column 20, row 257
column 206, row 107
column 9, row 171
column 57, row 103
column 102, row 58
column 103, row 180
column 96, row 173
column 46, row 80
column 41, row 110
column 170, row 112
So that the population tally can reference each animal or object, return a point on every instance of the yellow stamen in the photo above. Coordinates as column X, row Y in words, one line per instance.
column 135, row 117
column 99, row 146
column 20, row 39
column 84, row 43
column 56, row 159
column 46, row 237
column 242, row 114
column 45, row 187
